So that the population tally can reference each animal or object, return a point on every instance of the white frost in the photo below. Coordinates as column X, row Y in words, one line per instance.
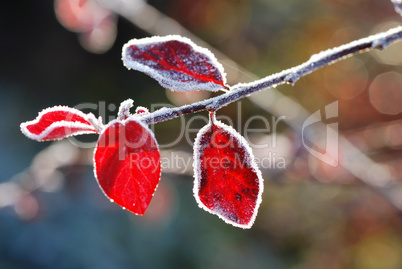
column 140, row 110
column 124, row 109
column 291, row 78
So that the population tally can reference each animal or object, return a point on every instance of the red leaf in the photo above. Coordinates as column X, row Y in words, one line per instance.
column 127, row 164
column 227, row 183
column 175, row 62
column 56, row 123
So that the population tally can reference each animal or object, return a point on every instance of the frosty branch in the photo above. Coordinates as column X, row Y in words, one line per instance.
column 378, row 41
column 127, row 161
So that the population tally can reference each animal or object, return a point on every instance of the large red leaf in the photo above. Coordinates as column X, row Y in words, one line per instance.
column 128, row 164
column 175, row 62
column 56, row 123
column 227, row 180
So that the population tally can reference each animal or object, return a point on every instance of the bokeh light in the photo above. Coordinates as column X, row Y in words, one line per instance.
column 385, row 93
column 313, row 215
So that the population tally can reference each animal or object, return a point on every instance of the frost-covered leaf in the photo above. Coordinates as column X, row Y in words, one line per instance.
column 56, row 123
column 128, row 164
column 227, row 183
column 175, row 62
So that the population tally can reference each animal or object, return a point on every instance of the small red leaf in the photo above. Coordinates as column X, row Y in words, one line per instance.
column 227, row 183
column 128, row 164
column 175, row 62
column 56, row 123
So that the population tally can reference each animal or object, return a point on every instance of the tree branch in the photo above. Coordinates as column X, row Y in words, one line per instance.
column 324, row 58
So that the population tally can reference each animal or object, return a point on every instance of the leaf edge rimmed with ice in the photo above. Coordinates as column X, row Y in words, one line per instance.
column 57, row 124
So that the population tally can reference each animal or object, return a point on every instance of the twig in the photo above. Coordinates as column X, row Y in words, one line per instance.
column 378, row 41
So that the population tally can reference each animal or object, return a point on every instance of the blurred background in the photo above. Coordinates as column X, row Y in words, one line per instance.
column 313, row 216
